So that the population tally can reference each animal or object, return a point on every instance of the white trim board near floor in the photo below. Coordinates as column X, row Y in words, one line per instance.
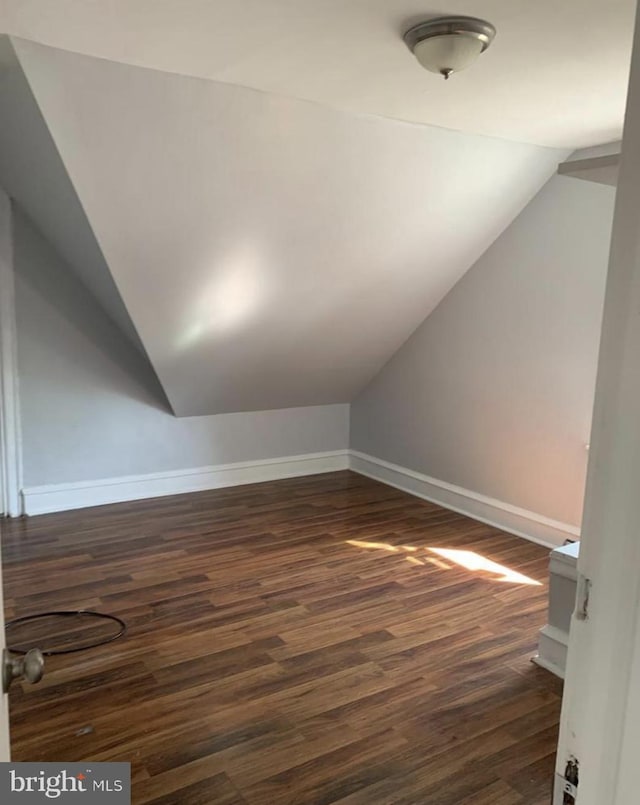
column 553, row 645
column 64, row 497
column 523, row 523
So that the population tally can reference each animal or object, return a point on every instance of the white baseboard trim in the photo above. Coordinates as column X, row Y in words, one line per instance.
column 67, row 496
column 78, row 495
column 521, row 522
column 554, row 669
column 553, row 645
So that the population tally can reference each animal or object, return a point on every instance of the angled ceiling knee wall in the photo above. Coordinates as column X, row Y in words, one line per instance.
column 269, row 252
column 35, row 177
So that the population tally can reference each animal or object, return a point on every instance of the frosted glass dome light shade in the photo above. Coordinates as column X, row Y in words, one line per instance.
column 449, row 44
column 447, row 54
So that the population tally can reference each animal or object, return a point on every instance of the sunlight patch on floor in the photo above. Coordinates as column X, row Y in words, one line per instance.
column 469, row 560
column 384, row 546
column 437, row 562
column 475, row 562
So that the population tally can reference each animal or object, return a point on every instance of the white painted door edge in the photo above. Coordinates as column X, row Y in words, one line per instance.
column 600, row 723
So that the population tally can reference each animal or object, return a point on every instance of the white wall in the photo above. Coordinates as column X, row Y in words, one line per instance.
column 494, row 391
column 92, row 408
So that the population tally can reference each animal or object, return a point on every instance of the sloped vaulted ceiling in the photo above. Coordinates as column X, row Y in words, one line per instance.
column 271, row 252
column 253, row 209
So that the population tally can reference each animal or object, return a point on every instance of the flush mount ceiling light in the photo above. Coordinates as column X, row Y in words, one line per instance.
column 448, row 44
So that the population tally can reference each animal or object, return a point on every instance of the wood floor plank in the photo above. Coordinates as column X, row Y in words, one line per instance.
column 291, row 642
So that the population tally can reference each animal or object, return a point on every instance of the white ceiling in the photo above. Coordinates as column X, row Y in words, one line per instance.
column 271, row 252
column 556, row 74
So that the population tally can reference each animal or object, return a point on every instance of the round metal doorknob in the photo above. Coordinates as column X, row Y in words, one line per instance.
column 33, row 666
column 30, row 667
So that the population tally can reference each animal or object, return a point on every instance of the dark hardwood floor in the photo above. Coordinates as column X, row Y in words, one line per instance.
column 292, row 642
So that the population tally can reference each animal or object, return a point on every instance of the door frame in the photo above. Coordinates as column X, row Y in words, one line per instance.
column 600, row 722
column 10, row 442
column 10, row 431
